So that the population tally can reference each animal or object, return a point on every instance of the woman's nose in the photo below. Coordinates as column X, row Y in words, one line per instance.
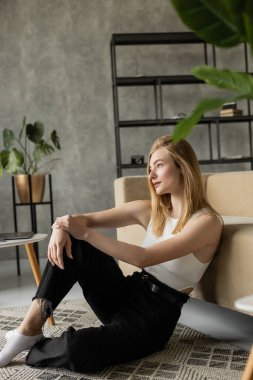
column 152, row 174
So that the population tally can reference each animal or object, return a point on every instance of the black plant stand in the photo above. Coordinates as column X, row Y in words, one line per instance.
column 33, row 213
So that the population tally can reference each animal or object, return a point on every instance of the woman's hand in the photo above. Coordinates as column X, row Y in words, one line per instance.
column 75, row 225
column 59, row 239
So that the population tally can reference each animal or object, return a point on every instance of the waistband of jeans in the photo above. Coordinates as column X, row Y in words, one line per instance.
column 170, row 294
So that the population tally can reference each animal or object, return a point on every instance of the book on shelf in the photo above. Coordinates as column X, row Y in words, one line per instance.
column 230, row 112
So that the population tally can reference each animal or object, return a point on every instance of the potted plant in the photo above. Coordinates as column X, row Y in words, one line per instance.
column 24, row 156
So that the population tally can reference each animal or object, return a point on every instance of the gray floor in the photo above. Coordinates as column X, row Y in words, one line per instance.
column 220, row 323
column 19, row 290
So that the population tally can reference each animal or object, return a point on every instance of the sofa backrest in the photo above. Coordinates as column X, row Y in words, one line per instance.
column 230, row 193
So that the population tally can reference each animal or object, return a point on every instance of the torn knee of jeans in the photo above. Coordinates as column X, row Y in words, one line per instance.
column 46, row 307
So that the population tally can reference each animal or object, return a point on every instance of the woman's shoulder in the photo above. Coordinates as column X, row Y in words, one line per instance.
column 207, row 220
column 207, row 213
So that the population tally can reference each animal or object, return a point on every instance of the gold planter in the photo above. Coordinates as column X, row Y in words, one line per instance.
column 37, row 187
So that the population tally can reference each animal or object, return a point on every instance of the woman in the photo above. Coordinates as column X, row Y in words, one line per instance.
column 139, row 312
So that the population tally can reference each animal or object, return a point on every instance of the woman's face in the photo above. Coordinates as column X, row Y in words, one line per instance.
column 164, row 174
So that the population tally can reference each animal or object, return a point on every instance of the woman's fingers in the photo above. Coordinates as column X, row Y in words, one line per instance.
column 59, row 240
column 55, row 255
column 49, row 255
column 68, row 248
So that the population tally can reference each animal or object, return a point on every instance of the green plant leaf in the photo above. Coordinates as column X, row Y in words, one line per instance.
column 210, row 20
column 4, row 157
column 235, row 10
column 1, row 165
column 241, row 83
column 248, row 22
column 42, row 149
column 8, row 138
column 184, row 127
column 15, row 161
column 35, row 131
column 55, row 139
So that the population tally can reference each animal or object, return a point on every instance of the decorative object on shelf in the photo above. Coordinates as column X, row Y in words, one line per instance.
column 179, row 115
column 24, row 156
column 227, row 24
column 137, row 159
column 230, row 110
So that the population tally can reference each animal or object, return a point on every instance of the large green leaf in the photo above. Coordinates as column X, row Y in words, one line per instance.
column 35, row 131
column 210, row 20
column 235, row 10
column 248, row 22
column 184, row 127
column 242, row 83
column 8, row 138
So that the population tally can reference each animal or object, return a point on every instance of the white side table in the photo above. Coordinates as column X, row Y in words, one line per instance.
column 246, row 304
column 28, row 243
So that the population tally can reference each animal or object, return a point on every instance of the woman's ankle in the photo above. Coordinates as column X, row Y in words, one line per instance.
column 29, row 331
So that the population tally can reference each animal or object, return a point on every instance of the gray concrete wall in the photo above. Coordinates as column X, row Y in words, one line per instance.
column 55, row 67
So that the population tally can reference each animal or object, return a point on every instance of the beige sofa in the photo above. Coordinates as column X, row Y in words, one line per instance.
column 230, row 275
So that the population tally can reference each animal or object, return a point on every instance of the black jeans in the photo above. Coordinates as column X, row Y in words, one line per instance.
column 135, row 320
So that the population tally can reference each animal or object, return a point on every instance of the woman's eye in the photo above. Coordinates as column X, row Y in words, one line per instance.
column 159, row 165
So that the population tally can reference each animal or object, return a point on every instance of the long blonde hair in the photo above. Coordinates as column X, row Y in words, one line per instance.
column 194, row 192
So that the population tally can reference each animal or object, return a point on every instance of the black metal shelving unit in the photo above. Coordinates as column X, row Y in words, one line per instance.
column 33, row 212
column 157, row 82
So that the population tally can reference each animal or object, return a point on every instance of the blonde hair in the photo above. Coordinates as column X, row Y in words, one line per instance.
column 194, row 193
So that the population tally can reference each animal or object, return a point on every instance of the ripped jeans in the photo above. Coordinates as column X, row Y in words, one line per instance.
column 135, row 322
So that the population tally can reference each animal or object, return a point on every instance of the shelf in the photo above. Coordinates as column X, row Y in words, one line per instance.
column 213, row 123
column 171, row 121
column 226, row 161
column 155, row 38
column 201, row 162
column 156, row 79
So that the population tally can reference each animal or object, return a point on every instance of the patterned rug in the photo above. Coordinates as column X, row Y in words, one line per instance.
column 189, row 355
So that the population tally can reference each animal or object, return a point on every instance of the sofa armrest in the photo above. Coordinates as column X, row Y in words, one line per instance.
column 230, row 275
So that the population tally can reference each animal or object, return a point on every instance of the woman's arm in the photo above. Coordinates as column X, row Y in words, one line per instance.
column 198, row 233
column 136, row 212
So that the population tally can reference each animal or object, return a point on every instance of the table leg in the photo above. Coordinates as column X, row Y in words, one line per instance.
column 36, row 270
column 248, row 372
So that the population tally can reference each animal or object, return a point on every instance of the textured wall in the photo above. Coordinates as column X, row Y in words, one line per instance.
column 55, row 67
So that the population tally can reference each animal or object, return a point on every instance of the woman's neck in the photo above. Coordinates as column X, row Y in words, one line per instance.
column 177, row 206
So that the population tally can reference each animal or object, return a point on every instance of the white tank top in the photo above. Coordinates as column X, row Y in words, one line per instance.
column 181, row 273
